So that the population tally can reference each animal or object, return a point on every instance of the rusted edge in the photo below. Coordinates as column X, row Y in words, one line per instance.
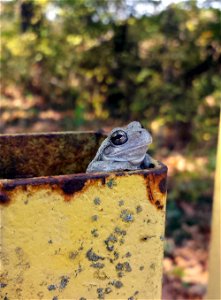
column 4, row 198
column 70, row 184
column 10, row 184
column 157, row 182
column 163, row 185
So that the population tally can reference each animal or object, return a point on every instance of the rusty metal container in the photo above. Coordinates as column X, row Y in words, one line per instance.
column 66, row 234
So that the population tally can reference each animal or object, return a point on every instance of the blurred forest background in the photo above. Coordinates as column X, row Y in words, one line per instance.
column 91, row 64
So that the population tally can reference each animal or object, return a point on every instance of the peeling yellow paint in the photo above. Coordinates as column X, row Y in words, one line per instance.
column 106, row 241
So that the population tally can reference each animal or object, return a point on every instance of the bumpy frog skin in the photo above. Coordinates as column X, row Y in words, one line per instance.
column 124, row 149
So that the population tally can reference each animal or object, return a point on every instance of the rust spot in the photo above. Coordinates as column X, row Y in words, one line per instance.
column 9, row 186
column 103, row 180
column 163, row 185
column 94, row 177
column 67, row 184
column 147, row 237
column 4, row 198
column 119, row 174
column 150, row 195
column 72, row 186
column 159, row 205
column 156, row 182
column 149, row 191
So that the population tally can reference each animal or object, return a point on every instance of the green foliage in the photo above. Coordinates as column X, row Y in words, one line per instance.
column 179, row 272
column 105, row 59
column 191, row 185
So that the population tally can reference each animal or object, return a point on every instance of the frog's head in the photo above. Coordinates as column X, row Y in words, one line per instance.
column 127, row 144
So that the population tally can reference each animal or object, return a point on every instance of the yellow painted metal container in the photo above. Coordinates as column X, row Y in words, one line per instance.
column 70, row 235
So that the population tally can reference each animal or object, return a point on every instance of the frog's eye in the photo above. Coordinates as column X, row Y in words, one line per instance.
column 119, row 137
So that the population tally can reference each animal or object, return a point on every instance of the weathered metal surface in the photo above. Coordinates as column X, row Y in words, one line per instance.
column 46, row 154
column 83, row 236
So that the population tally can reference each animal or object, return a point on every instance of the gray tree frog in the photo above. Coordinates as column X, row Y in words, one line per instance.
column 124, row 149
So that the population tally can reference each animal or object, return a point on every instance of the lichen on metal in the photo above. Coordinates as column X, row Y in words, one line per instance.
column 83, row 236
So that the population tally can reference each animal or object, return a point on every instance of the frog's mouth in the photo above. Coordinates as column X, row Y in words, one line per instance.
column 132, row 149
column 128, row 154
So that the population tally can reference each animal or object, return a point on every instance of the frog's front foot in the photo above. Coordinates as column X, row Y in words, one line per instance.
column 146, row 162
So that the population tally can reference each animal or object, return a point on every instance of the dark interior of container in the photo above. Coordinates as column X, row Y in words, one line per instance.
column 47, row 154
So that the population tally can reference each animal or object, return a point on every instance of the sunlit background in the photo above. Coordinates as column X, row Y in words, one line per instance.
column 91, row 64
